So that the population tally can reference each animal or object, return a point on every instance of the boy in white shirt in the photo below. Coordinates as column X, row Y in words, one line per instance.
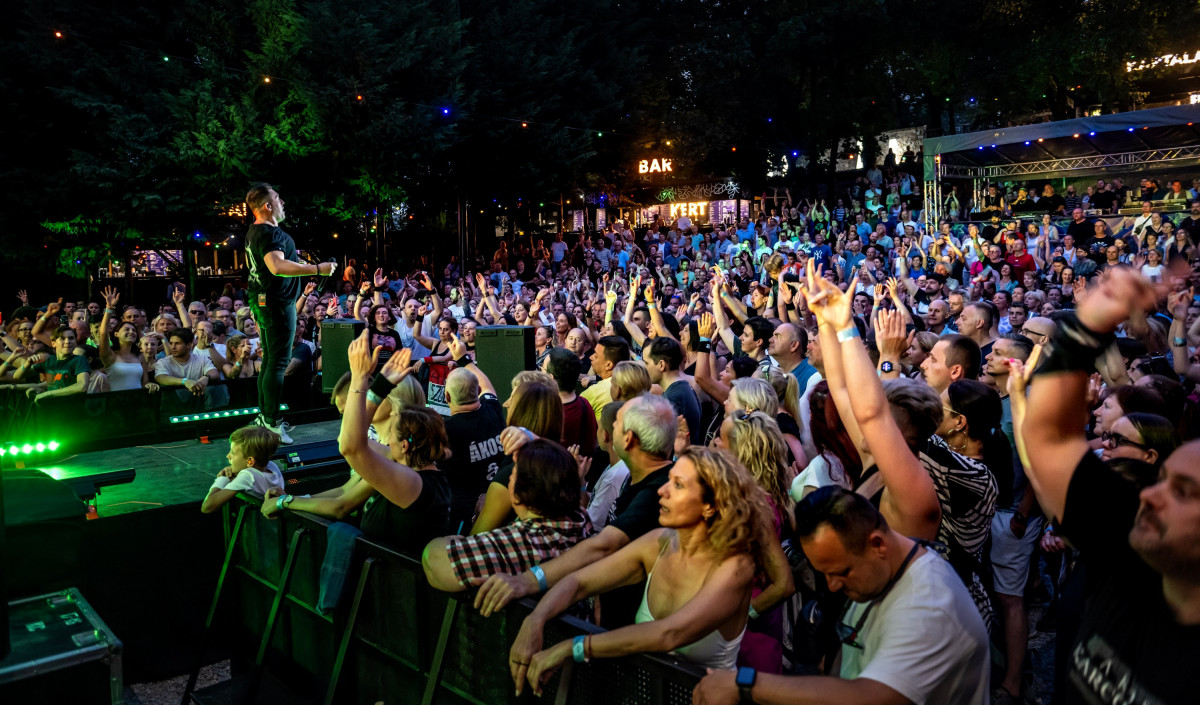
column 250, row 468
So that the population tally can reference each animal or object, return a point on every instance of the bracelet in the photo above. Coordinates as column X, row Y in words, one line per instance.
column 788, row 306
column 1179, row 342
column 541, row 578
column 846, row 334
column 283, row 501
column 113, row 311
column 359, row 391
column 577, row 650
column 753, row 612
column 464, row 361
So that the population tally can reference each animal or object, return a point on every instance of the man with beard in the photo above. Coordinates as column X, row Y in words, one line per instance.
column 1140, row 626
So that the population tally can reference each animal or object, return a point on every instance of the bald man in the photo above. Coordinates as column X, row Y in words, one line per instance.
column 1039, row 329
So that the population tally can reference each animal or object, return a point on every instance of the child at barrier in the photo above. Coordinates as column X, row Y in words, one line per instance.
column 250, row 468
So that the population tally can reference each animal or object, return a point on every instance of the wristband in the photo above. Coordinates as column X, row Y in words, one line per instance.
column 541, row 578
column 704, row 346
column 283, row 501
column 374, row 398
column 1179, row 342
column 464, row 361
column 846, row 334
column 577, row 650
column 381, row 386
column 789, row 306
column 753, row 612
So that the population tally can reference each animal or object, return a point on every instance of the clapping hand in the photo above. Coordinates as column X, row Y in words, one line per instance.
column 398, row 366
column 362, row 358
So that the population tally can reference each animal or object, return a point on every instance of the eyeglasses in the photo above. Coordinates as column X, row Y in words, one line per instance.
column 848, row 634
column 951, row 411
column 1030, row 333
column 1116, row 440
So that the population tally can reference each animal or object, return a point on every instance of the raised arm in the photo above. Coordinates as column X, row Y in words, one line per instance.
column 179, row 298
column 39, row 326
column 1056, row 418
column 719, row 318
column 111, row 298
column 910, row 499
column 458, row 349
column 705, row 366
column 656, row 318
column 400, row 484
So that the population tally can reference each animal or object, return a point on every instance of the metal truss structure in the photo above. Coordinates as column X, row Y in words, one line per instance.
column 1072, row 163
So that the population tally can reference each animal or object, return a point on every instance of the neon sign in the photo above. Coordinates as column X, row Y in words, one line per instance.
column 698, row 209
column 1164, row 60
column 654, row 166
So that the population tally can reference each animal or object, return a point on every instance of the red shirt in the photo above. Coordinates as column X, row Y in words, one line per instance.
column 579, row 426
column 1020, row 265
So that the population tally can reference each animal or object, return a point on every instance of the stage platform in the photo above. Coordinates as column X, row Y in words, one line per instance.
column 168, row 474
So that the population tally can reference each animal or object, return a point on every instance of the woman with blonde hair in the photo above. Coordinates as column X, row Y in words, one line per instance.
column 752, row 394
column 787, row 390
column 698, row 571
column 629, row 379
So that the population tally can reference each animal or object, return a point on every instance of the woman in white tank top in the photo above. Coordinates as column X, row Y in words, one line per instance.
column 122, row 364
column 699, row 570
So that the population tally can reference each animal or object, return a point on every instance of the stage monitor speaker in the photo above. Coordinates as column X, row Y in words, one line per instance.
column 336, row 336
column 503, row 351
column 44, row 524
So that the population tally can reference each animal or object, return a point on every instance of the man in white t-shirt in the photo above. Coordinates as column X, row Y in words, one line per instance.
column 910, row 633
column 250, row 467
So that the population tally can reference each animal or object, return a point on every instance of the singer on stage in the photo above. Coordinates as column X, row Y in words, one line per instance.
column 274, row 288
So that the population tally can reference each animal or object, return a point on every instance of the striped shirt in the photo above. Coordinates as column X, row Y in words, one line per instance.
column 516, row 547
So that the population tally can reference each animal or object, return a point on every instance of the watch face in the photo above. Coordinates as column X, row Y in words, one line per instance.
column 745, row 676
column 886, row 366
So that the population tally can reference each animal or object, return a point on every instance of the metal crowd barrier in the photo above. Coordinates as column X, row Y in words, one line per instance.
column 393, row 639
column 87, row 422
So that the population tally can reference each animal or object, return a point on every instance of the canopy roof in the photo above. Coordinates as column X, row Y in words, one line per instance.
column 1167, row 136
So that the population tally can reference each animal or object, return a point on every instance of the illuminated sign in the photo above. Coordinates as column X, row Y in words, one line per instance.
column 698, row 209
column 1164, row 60
column 654, row 166
column 1194, row 98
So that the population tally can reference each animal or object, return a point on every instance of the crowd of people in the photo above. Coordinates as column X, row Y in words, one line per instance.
column 838, row 445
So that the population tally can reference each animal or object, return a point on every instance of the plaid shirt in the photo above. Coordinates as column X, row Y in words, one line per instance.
column 517, row 547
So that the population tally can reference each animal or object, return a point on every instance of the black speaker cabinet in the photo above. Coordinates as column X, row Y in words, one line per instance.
column 503, row 351
column 336, row 336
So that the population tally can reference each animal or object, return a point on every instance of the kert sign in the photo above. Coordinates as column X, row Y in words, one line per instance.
column 698, row 209
column 654, row 166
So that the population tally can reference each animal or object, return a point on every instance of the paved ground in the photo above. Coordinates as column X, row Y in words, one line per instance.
column 170, row 692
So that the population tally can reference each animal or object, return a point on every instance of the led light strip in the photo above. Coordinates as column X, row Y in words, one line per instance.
column 29, row 448
column 230, row 413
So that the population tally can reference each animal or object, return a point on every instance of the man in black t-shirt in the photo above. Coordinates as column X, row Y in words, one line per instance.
column 476, row 420
column 272, row 259
column 1140, row 628
column 662, row 362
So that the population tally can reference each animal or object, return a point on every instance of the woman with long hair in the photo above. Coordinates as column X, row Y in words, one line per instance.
column 698, row 571
column 787, row 390
column 240, row 360
column 534, row 409
column 837, row 461
column 118, row 351
column 1149, row 438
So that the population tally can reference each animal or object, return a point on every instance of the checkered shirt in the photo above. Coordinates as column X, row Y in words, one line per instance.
column 517, row 547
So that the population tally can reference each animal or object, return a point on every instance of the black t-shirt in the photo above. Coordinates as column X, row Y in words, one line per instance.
column 1051, row 204
column 261, row 239
column 476, row 455
column 1081, row 231
column 1104, row 200
column 410, row 528
column 1097, row 248
column 1129, row 648
column 683, row 398
column 1192, row 228
column 635, row 513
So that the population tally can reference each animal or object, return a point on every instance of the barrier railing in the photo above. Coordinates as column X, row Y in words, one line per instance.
column 85, row 422
column 393, row 639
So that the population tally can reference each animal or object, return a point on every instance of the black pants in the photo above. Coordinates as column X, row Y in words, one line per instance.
column 277, row 328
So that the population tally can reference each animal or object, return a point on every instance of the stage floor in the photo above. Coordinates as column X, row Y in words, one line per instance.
column 169, row 473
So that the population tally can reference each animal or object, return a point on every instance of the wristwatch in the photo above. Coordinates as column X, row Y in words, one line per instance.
column 886, row 366
column 745, row 681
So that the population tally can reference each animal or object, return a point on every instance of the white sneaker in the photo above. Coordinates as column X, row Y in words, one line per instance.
column 281, row 430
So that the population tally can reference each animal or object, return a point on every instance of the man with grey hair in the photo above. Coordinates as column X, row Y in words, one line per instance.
column 644, row 438
column 476, row 420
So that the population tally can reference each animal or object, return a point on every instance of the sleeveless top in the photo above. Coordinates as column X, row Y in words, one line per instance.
column 123, row 376
column 712, row 651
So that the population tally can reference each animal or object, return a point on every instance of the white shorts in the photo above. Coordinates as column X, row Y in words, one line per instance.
column 1011, row 555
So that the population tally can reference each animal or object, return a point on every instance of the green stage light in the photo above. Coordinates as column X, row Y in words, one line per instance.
column 41, row 447
column 53, row 445
column 13, row 450
column 27, row 449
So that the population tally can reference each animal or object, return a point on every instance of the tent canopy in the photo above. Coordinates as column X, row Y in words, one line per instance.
column 1139, row 137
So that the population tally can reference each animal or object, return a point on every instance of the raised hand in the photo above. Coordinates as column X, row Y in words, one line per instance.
column 425, row 280
column 179, row 295
column 584, row 462
column 111, row 297
column 398, row 366
column 310, row 288
column 890, row 336
column 54, row 307
column 364, row 288
column 827, row 302
column 707, row 325
column 650, row 292
column 379, row 280
column 23, row 296
column 457, row 347
column 481, row 283
column 1179, row 301
column 1121, row 294
column 362, row 359
column 877, row 291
